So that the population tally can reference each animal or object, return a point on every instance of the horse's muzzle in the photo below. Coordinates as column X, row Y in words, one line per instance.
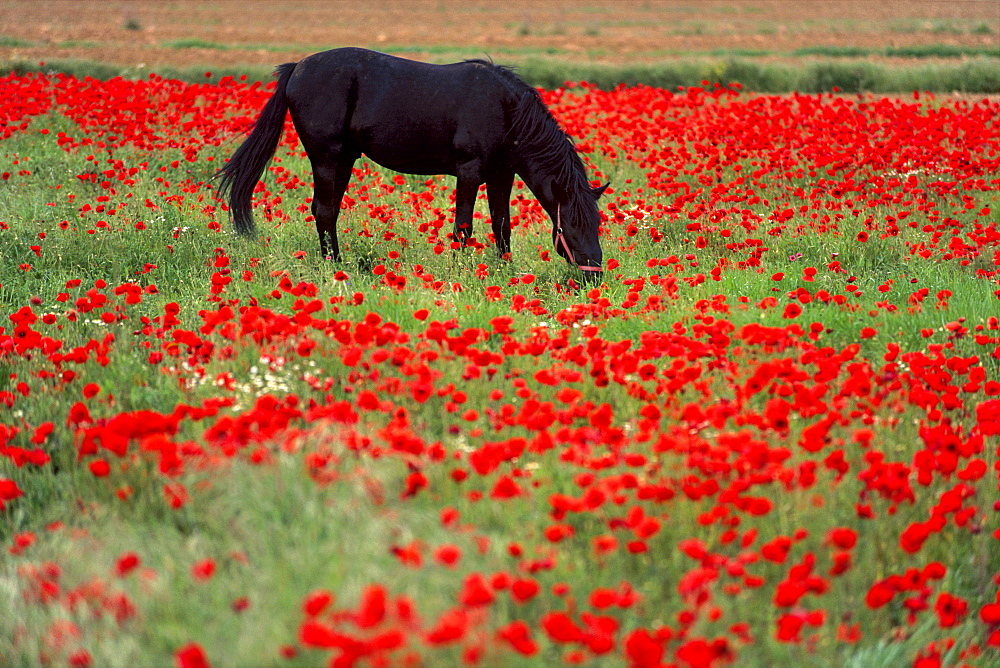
column 568, row 254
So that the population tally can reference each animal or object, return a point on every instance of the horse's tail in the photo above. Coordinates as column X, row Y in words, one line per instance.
column 240, row 175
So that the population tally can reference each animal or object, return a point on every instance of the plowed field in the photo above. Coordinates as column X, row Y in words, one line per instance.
column 153, row 34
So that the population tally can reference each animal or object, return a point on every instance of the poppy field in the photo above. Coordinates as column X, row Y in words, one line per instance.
column 768, row 436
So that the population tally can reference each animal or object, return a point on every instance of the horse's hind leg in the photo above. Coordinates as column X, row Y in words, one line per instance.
column 331, row 176
column 466, row 189
column 498, row 188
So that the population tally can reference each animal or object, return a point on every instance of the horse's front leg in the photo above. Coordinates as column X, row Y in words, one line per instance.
column 498, row 188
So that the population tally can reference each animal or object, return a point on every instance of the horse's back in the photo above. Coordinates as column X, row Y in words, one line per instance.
column 385, row 83
column 406, row 115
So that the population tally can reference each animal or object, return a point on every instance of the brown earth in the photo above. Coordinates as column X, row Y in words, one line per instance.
column 182, row 33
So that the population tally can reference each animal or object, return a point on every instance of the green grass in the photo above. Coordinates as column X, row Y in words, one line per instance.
column 975, row 76
column 979, row 75
column 941, row 51
column 9, row 41
column 276, row 534
column 939, row 27
column 256, row 514
column 194, row 43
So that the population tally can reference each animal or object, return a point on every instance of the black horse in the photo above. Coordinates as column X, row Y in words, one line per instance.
column 474, row 120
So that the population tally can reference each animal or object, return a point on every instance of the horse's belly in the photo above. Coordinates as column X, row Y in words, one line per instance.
column 416, row 163
column 410, row 151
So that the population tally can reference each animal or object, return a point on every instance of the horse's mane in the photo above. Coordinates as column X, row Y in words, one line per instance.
column 543, row 143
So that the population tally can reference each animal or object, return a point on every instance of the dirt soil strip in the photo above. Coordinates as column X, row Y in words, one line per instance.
column 226, row 33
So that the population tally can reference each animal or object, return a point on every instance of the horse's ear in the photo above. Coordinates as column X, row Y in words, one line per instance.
column 599, row 190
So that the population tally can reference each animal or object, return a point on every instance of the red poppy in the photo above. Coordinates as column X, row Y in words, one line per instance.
column 316, row 602
column 451, row 627
column 127, row 563
column 191, row 656
column 560, row 628
column 475, row 591
column 372, row 609
column 203, row 570
column 8, row 491
column 518, row 635
column 447, row 555
column 842, row 537
column 524, row 589
column 951, row 610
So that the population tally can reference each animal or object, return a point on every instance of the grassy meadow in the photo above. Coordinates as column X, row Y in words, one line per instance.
column 769, row 436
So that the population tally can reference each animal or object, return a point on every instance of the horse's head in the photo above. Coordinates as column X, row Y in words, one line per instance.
column 576, row 221
column 547, row 160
